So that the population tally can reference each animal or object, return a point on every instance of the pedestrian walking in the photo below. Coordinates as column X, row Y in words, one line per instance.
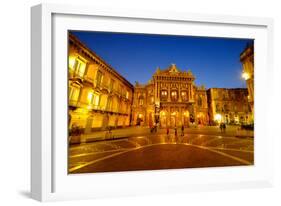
column 155, row 127
column 176, row 134
column 167, row 132
column 182, row 130
column 224, row 127
column 221, row 127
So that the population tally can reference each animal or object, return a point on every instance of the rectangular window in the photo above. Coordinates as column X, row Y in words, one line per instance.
column 111, row 84
column 141, row 101
column 127, row 95
column 77, row 66
column 109, row 103
column 94, row 99
column 73, row 94
column 98, row 78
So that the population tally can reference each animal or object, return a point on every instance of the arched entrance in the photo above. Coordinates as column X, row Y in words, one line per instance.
column 186, row 118
column 163, row 118
column 174, row 119
column 140, row 118
column 200, row 118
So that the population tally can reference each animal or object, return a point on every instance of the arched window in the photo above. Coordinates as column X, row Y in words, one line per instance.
column 217, row 107
column 226, row 108
column 174, row 95
column 184, row 96
column 151, row 99
column 164, row 95
column 141, row 100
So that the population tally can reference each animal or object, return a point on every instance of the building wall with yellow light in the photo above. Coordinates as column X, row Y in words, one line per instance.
column 201, row 105
column 229, row 106
column 143, row 109
column 99, row 97
column 247, row 60
column 170, row 99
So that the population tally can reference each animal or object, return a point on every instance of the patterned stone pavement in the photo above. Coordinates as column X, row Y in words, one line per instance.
column 161, row 151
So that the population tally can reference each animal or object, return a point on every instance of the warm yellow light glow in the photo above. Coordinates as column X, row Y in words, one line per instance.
column 245, row 75
column 157, row 103
column 174, row 113
column 140, row 115
column 127, row 95
column 90, row 97
column 186, row 114
column 199, row 115
column 71, row 62
column 218, row 117
column 163, row 113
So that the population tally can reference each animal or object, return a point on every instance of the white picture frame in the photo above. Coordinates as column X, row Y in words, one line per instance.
column 49, row 179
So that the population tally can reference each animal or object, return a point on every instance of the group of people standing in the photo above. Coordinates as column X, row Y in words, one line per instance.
column 153, row 129
column 176, row 131
column 176, row 138
column 222, row 127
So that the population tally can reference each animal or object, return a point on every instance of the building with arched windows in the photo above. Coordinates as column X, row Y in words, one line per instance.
column 170, row 99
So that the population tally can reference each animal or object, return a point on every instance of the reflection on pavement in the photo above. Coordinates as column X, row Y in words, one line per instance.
column 82, row 155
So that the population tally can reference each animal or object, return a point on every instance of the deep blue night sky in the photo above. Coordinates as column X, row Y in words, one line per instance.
column 213, row 61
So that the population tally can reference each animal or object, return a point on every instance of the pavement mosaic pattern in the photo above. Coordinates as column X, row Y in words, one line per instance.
column 161, row 151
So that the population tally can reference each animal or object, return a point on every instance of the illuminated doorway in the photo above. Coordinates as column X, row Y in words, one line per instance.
column 186, row 118
column 163, row 119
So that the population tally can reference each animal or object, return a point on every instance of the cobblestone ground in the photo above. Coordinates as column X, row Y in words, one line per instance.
column 161, row 151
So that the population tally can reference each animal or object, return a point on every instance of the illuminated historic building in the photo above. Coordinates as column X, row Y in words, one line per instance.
column 99, row 97
column 229, row 106
column 247, row 60
column 170, row 99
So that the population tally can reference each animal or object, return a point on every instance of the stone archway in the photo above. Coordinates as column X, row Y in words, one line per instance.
column 174, row 119
column 163, row 119
column 186, row 118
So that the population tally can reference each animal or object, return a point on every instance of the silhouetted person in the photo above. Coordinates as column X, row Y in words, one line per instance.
column 221, row 126
column 224, row 127
column 176, row 134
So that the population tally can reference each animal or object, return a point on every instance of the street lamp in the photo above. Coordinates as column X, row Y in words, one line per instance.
column 218, row 117
column 245, row 75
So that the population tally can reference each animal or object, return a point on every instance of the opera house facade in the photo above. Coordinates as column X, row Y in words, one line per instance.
column 170, row 99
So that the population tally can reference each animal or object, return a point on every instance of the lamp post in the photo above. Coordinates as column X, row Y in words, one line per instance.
column 245, row 76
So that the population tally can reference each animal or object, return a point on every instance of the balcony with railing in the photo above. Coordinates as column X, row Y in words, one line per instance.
column 89, row 79
column 75, row 74
column 73, row 103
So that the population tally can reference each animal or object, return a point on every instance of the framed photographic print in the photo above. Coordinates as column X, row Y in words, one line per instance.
column 135, row 102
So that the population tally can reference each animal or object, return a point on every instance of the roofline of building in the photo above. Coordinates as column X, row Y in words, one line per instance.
column 74, row 38
column 238, row 88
